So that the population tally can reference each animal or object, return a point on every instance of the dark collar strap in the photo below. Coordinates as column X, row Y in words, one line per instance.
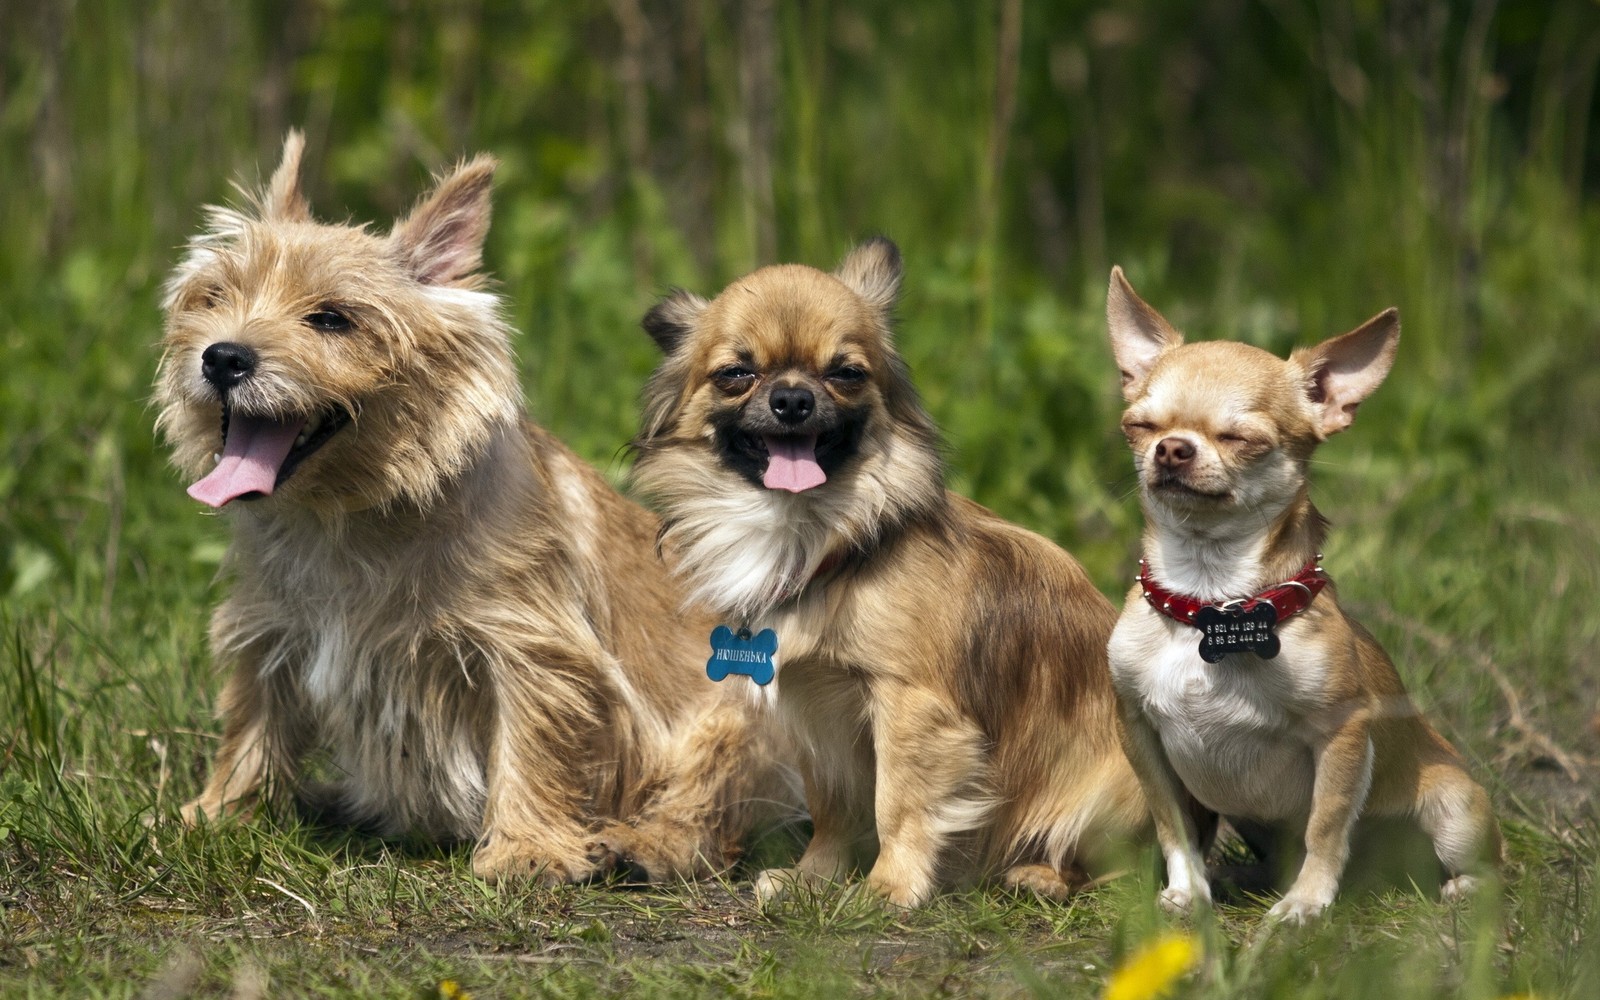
column 829, row 563
column 1287, row 598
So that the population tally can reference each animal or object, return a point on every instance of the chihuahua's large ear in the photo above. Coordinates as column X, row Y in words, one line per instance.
column 441, row 241
column 1344, row 370
column 873, row 270
column 282, row 200
column 672, row 319
column 1139, row 334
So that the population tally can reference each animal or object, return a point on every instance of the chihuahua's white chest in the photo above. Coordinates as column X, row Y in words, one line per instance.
column 1232, row 730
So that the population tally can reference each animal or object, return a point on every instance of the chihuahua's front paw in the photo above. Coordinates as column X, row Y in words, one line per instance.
column 1298, row 909
column 1459, row 888
column 1182, row 902
column 501, row 859
column 1187, row 890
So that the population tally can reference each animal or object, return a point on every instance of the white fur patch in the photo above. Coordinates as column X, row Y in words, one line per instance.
column 1229, row 729
column 744, row 551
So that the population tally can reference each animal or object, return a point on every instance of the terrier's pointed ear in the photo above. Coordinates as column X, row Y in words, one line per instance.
column 872, row 270
column 1139, row 334
column 282, row 200
column 672, row 319
column 441, row 241
column 1344, row 370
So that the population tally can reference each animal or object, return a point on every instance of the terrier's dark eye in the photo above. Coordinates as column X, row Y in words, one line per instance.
column 733, row 378
column 209, row 297
column 329, row 321
column 848, row 374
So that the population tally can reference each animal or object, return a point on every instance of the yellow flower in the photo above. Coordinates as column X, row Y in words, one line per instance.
column 449, row 989
column 1153, row 969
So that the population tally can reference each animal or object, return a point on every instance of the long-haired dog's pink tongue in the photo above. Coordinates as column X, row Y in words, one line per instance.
column 792, row 464
column 251, row 457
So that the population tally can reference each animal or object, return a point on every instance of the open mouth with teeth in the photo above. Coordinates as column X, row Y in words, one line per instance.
column 259, row 453
column 791, row 462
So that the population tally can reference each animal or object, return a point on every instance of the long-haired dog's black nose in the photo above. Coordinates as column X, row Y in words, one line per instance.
column 225, row 365
column 792, row 404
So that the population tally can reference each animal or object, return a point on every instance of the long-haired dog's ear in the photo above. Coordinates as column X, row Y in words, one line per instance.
column 669, row 322
column 872, row 270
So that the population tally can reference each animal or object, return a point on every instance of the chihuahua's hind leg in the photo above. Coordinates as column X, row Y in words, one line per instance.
column 1454, row 811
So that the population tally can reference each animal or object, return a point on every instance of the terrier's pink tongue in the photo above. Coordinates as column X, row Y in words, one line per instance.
column 792, row 464
column 251, row 456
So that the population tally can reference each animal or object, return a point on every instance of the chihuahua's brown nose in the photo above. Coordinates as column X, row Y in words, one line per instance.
column 225, row 365
column 792, row 404
column 1174, row 452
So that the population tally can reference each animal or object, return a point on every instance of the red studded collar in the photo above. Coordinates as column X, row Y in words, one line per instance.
column 1288, row 598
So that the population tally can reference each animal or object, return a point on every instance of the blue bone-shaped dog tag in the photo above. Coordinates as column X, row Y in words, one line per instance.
column 741, row 653
column 1234, row 630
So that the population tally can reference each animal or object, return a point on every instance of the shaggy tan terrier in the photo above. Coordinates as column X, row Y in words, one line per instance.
column 464, row 623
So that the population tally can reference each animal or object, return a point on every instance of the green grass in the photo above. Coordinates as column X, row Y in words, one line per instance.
column 1263, row 171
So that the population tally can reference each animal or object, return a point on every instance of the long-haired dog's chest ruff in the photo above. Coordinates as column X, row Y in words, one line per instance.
column 747, row 551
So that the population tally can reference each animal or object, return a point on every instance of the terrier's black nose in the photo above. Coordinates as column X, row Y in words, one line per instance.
column 1174, row 452
column 792, row 404
column 225, row 365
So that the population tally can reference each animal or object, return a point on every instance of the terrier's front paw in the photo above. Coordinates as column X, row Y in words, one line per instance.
column 774, row 885
column 654, row 852
column 500, row 859
column 1298, row 909
column 207, row 810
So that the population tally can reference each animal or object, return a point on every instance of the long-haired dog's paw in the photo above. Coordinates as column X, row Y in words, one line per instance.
column 1044, row 880
column 501, row 859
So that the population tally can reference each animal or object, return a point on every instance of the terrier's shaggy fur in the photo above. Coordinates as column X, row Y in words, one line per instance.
column 468, row 620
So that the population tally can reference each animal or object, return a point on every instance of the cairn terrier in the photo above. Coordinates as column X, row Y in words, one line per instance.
column 462, row 620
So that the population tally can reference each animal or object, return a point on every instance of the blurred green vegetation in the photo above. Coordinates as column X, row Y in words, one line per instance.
column 1270, row 170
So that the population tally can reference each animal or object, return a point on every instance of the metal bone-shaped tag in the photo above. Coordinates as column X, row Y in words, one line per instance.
column 742, row 653
column 1235, row 630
